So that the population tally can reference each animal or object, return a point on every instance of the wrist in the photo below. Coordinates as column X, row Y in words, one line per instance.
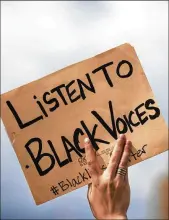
column 116, row 217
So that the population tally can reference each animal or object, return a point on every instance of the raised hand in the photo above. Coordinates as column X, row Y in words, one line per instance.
column 109, row 192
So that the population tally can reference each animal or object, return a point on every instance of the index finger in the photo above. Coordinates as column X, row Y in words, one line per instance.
column 91, row 158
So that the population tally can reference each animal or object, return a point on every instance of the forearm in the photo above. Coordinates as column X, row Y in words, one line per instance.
column 124, row 217
column 116, row 217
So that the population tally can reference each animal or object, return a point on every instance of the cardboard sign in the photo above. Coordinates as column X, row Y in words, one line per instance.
column 101, row 97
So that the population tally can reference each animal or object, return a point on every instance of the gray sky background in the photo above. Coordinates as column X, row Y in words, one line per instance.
column 38, row 38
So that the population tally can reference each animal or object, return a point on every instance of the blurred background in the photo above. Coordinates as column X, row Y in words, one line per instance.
column 38, row 38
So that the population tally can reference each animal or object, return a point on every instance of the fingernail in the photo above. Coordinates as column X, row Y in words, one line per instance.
column 86, row 140
column 128, row 143
column 122, row 136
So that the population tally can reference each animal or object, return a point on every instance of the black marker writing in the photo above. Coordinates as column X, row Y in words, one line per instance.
column 104, row 70
column 114, row 128
column 48, row 103
column 138, row 153
column 64, row 185
column 55, row 190
column 18, row 119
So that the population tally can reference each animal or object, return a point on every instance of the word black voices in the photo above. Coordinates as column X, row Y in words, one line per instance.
column 139, row 116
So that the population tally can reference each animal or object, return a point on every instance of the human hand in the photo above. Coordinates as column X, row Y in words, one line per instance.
column 109, row 192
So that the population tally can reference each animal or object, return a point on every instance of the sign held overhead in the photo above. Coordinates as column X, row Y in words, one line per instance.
column 101, row 97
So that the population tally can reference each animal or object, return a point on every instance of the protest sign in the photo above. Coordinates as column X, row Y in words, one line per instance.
column 101, row 97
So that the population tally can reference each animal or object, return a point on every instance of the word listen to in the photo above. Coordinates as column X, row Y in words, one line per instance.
column 119, row 125
column 70, row 92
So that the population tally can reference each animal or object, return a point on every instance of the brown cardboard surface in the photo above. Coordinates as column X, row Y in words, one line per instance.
column 51, row 151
